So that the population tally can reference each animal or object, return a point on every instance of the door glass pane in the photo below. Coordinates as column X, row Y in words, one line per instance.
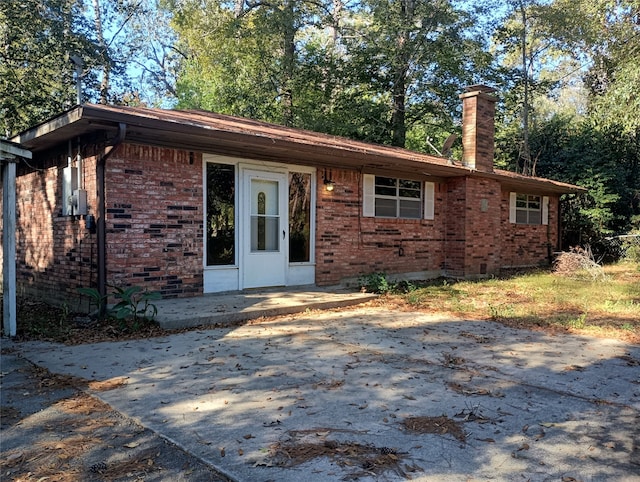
column 265, row 219
column 269, row 189
column 265, row 233
column 220, row 216
column 299, row 217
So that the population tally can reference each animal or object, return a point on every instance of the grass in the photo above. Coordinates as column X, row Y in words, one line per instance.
column 608, row 307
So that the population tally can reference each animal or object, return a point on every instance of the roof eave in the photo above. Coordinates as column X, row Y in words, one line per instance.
column 232, row 136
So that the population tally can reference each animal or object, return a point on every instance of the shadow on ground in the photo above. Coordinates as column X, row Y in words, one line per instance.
column 370, row 394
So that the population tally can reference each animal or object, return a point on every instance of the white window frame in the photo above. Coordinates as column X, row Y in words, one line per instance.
column 513, row 209
column 427, row 198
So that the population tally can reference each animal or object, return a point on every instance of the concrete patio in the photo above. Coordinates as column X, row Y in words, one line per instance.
column 243, row 398
column 234, row 307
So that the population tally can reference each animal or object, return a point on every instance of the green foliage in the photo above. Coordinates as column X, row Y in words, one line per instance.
column 380, row 283
column 501, row 311
column 132, row 303
column 371, row 71
column 375, row 283
column 36, row 75
column 603, row 159
column 95, row 298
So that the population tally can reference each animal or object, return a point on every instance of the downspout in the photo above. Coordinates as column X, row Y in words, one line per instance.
column 101, row 223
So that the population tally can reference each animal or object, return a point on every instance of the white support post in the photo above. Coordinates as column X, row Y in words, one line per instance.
column 9, row 152
column 9, row 247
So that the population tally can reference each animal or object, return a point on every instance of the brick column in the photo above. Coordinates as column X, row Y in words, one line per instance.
column 473, row 228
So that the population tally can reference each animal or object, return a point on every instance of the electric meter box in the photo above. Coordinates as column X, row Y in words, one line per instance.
column 69, row 185
column 79, row 202
column 74, row 200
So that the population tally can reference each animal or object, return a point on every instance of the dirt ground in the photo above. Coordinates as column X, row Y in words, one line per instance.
column 52, row 430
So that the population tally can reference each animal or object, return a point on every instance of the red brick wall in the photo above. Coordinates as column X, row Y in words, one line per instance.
column 154, row 227
column 473, row 227
column 349, row 245
column 54, row 252
column 154, row 219
column 525, row 245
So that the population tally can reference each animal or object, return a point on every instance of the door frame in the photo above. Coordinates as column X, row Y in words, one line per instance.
column 218, row 279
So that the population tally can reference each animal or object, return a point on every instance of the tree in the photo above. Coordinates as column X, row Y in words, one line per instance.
column 414, row 57
column 36, row 74
column 534, row 46
column 242, row 57
column 613, row 77
column 604, row 160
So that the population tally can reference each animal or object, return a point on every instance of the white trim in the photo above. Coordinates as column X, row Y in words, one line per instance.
column 545, row 210
column 368, row 195
column 429, row 200
column 512, row 207
column 229, row 277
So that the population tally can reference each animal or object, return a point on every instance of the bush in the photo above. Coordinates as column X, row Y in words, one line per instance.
column 375, row 283
column 631, row 247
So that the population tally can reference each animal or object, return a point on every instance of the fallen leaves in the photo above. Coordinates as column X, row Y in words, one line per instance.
column 362, row 459
column 437, row 425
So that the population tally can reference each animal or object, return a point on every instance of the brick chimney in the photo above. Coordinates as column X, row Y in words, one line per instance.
column 478, row 110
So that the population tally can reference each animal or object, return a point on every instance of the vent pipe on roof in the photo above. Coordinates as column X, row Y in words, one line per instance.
column 79, row 63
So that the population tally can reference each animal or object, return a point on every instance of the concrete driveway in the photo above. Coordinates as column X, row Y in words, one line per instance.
column 372, row 394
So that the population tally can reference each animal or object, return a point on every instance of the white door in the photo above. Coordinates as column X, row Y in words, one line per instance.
column 265, row 243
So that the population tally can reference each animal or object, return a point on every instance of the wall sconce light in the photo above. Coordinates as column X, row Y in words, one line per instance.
column 329, row 184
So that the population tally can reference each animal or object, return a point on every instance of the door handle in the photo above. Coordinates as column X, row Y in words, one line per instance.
column 283, row 234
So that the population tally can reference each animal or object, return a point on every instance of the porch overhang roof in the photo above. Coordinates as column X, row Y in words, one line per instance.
column 239, row 137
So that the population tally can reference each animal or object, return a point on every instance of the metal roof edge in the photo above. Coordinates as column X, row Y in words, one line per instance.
column 208, row 122
column 50, row 125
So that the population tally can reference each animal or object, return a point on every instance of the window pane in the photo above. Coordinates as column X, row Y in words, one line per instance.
column 386, row 181
column 410, row 193
column 385, row 191
column 535, row 217
column 407, row 184
column 264, row 197
column 386, row 208
column 534, row 205
column 220, row 214
column 398, row 198
column 299, row 217
column 521, row 216
column 410, row 209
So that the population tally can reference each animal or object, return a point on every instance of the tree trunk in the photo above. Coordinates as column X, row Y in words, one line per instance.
column 288, row 63
column 398, row 124
column 526, row 149
column 399, row 88
column 106, row 67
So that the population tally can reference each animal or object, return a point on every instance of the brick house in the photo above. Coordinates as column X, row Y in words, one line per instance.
column 190, row 202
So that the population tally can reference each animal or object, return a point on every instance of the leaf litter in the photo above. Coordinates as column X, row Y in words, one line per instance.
column 364, row 459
